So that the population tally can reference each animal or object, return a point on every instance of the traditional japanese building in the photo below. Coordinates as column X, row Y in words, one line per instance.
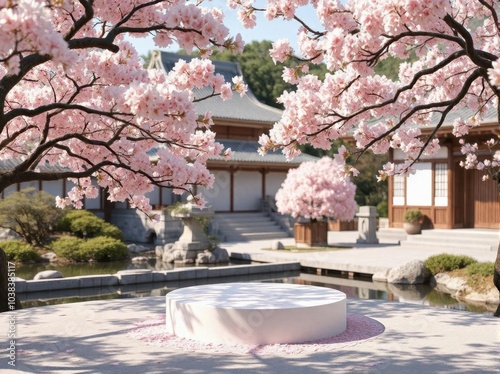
column 447, row 194
column 241, row 184
column 244, row 181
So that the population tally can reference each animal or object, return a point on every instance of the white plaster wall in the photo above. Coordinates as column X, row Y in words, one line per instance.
column 273, row 182
column 219, row 196
column 94, row 203
column 69, row 186
column 166, row 196
column 247, row 190
column 54, row 188
column 441, row 201
column 154, row 196
column 398, row 200
column 419, row 185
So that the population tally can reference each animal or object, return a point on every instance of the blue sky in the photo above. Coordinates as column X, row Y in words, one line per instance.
column 264, row 30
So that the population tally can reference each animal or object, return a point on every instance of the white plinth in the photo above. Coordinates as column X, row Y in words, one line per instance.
column 256, row 313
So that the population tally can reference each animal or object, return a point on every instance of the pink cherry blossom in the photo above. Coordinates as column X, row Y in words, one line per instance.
column 75, row 96
column 453, row 66
column 317, row 189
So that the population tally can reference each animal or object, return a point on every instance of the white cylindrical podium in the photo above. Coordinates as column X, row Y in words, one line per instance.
column 255, row 313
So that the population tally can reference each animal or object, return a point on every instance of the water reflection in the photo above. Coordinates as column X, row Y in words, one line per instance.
column 28, row 271
column 422, row 294
column 353, row 288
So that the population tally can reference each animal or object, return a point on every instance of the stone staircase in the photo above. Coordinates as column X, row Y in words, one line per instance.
column 238, row 227
column 390, row 235
column 467, row 240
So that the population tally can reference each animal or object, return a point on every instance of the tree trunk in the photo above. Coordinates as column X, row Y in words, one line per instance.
column 496, row 274
column 4, row 285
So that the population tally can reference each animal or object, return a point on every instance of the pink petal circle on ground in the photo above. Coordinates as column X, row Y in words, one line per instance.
column 359, row 329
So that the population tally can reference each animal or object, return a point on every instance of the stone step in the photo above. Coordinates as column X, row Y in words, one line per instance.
column 242, row 220
column 261, row 224
column 247, row 226
column 391, row 235
column 451, row 241
column 464, row 239
column 460, row 234
column 242, row 214
column 232, row 237
column 447, row 245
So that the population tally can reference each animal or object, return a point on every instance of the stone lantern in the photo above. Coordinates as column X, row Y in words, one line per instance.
column 193, row 239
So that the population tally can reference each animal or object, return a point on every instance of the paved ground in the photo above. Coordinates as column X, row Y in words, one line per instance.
column 361, row 258
column 91, row 337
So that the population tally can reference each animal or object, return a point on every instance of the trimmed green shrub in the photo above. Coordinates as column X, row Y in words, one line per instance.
column 446, row 262
column 111, row 231
column 64, row 223
column 103, row 248
column 18, row 251
column 85, row 224
column 100, row 248
column 68, row 247
column 480, row 268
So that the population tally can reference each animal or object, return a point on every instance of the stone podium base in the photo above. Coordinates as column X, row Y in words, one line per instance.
column 255, row 313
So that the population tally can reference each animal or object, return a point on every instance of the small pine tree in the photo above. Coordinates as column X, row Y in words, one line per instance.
column 31, row 214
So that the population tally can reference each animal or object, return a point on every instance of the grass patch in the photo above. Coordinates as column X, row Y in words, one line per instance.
column 479, row 283
column 294, row 249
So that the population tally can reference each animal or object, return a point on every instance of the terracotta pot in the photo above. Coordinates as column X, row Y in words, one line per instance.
column 311, row 234
column 412, row 228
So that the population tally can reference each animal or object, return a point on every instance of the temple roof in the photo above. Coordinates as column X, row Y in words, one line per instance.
column 246, row 108
column 247, row 151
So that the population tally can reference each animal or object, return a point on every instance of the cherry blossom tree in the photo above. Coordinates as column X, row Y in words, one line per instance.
column 316, row 190
column 456, row 44
column 73, row 94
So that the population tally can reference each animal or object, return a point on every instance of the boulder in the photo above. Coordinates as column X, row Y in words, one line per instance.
column 221, row 255
column 451, row 283
column 489, row 297
column 179, row 255
column 276, row 245
column 49, row 256
column 168, row 247
column 206, row 257
column 134, row 248
column 48, row 274
column 139, row 259
column 413, row 272
column 159, row 251
column 167, row 257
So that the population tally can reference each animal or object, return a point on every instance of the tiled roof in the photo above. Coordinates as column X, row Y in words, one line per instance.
column 465, row 113
column 12, row 163
column 246, row 108
column 246, row 151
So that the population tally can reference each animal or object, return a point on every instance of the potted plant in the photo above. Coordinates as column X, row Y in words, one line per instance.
column 413, row 221
column 314, row 191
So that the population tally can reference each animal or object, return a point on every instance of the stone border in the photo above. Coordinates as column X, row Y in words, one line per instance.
column 138, row 276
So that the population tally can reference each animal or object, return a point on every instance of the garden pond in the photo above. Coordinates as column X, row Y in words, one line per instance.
column 353, row 287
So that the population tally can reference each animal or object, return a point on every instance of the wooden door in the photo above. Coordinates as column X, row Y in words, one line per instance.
column 459, row 197
column 481, row 206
